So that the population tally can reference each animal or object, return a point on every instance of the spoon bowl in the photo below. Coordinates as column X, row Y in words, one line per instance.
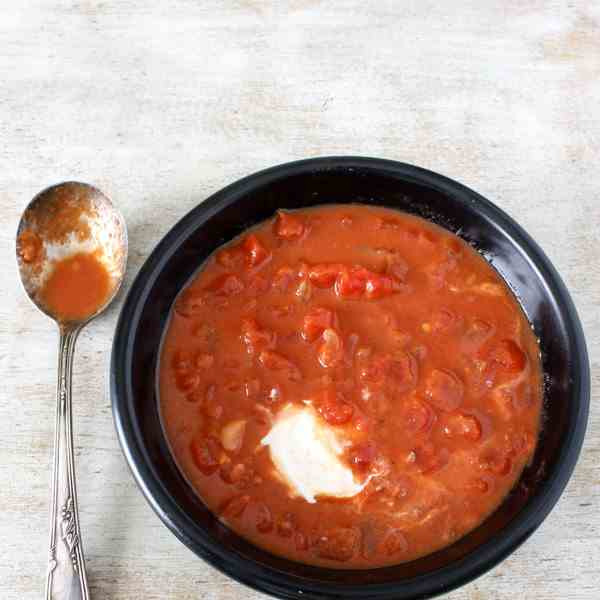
column 63, row 220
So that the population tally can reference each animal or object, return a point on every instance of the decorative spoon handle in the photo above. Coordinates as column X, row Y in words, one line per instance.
column 66, row 579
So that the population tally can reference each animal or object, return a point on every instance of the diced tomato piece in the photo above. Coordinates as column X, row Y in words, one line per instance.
column 430, row 458
column 502, row 399
column 226, row 285
column 205, row 334
column 462, row 425
column 358, row 281
column 477, row 333
column 521, row 443
column 508, row 354
column 301, row 541
column 395, row 542
column 362, row 455
column 286, row 525
column 196, row 395
column 398, row 373
column 276, row 362
column 258, row 285
column 333, row 408
column 182, row 361
column 381, row 223
column 378, row 286
column 398, row 268
column 204, row 360
column 288, row 226
column 443, row 321
column 232, row 258
column 237, row 474
column 252, row 388
column 351, row 283
column 338, row 544
column 283, row 278
column 502, row 466
column 315, row 322
column 264, row 518
column 403, row 372
column 418, row 416
column 324, row 275
column 444, row 390
column 496, row 462
column 205, row 454
column 304, row 290
column 283, row 310
column 481, row 485
column 331, row 351
column 374, row 369
column 256, row 253
column 454, row 246
column 274, row 394
column 256, row 338
column 190, row 302
column 212, row 406
column 187, row 381
column 235, row 507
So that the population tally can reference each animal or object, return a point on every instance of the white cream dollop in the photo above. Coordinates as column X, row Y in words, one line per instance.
column 306, row 453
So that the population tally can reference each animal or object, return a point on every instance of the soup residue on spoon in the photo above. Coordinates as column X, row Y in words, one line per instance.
column 77, row 286
column 69, row 271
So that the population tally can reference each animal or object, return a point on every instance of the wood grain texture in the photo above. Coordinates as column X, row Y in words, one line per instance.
column 162, row 103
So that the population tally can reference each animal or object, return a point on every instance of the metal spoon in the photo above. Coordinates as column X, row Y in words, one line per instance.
column 97, row 226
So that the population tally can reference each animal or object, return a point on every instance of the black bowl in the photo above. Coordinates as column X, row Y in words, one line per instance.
column 512, row 252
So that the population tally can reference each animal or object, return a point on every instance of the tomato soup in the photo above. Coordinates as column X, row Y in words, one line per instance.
column 349, row 386
column 76, row 287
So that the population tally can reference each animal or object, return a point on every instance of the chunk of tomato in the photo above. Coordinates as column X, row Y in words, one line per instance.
column 378, row 286
column 509, row 355
column 462, row 425
column 431, row 459
column 362, row 455
column 256, row 338
column 315, row 322
column 205, row 454
column 226, row 285
column 232, row 258
column 331, row 351
column 333, row 408
column 187, row 381
column 418, row 416
column 351, row 283
column 395, row 542
column 277, row 362
column 190, row 302
column 444, row 390
column 256, row 253
column 339, row 544
column 443, row 321
column 264, row 518
column 235, row 507
column 288, row 226
column 398, row 373
column 283, row 279
column 324, row 275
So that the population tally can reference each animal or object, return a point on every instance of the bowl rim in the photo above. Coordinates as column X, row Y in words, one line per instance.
column 270, row 580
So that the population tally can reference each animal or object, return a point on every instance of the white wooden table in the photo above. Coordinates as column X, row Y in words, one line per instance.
column 162, row 103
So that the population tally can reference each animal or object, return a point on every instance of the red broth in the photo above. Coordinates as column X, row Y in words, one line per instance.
column 405, row 342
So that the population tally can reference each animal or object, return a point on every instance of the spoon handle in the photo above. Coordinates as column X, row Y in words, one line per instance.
column 66, row 579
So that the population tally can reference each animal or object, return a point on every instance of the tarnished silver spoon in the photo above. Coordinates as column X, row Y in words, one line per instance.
column 71, row 252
